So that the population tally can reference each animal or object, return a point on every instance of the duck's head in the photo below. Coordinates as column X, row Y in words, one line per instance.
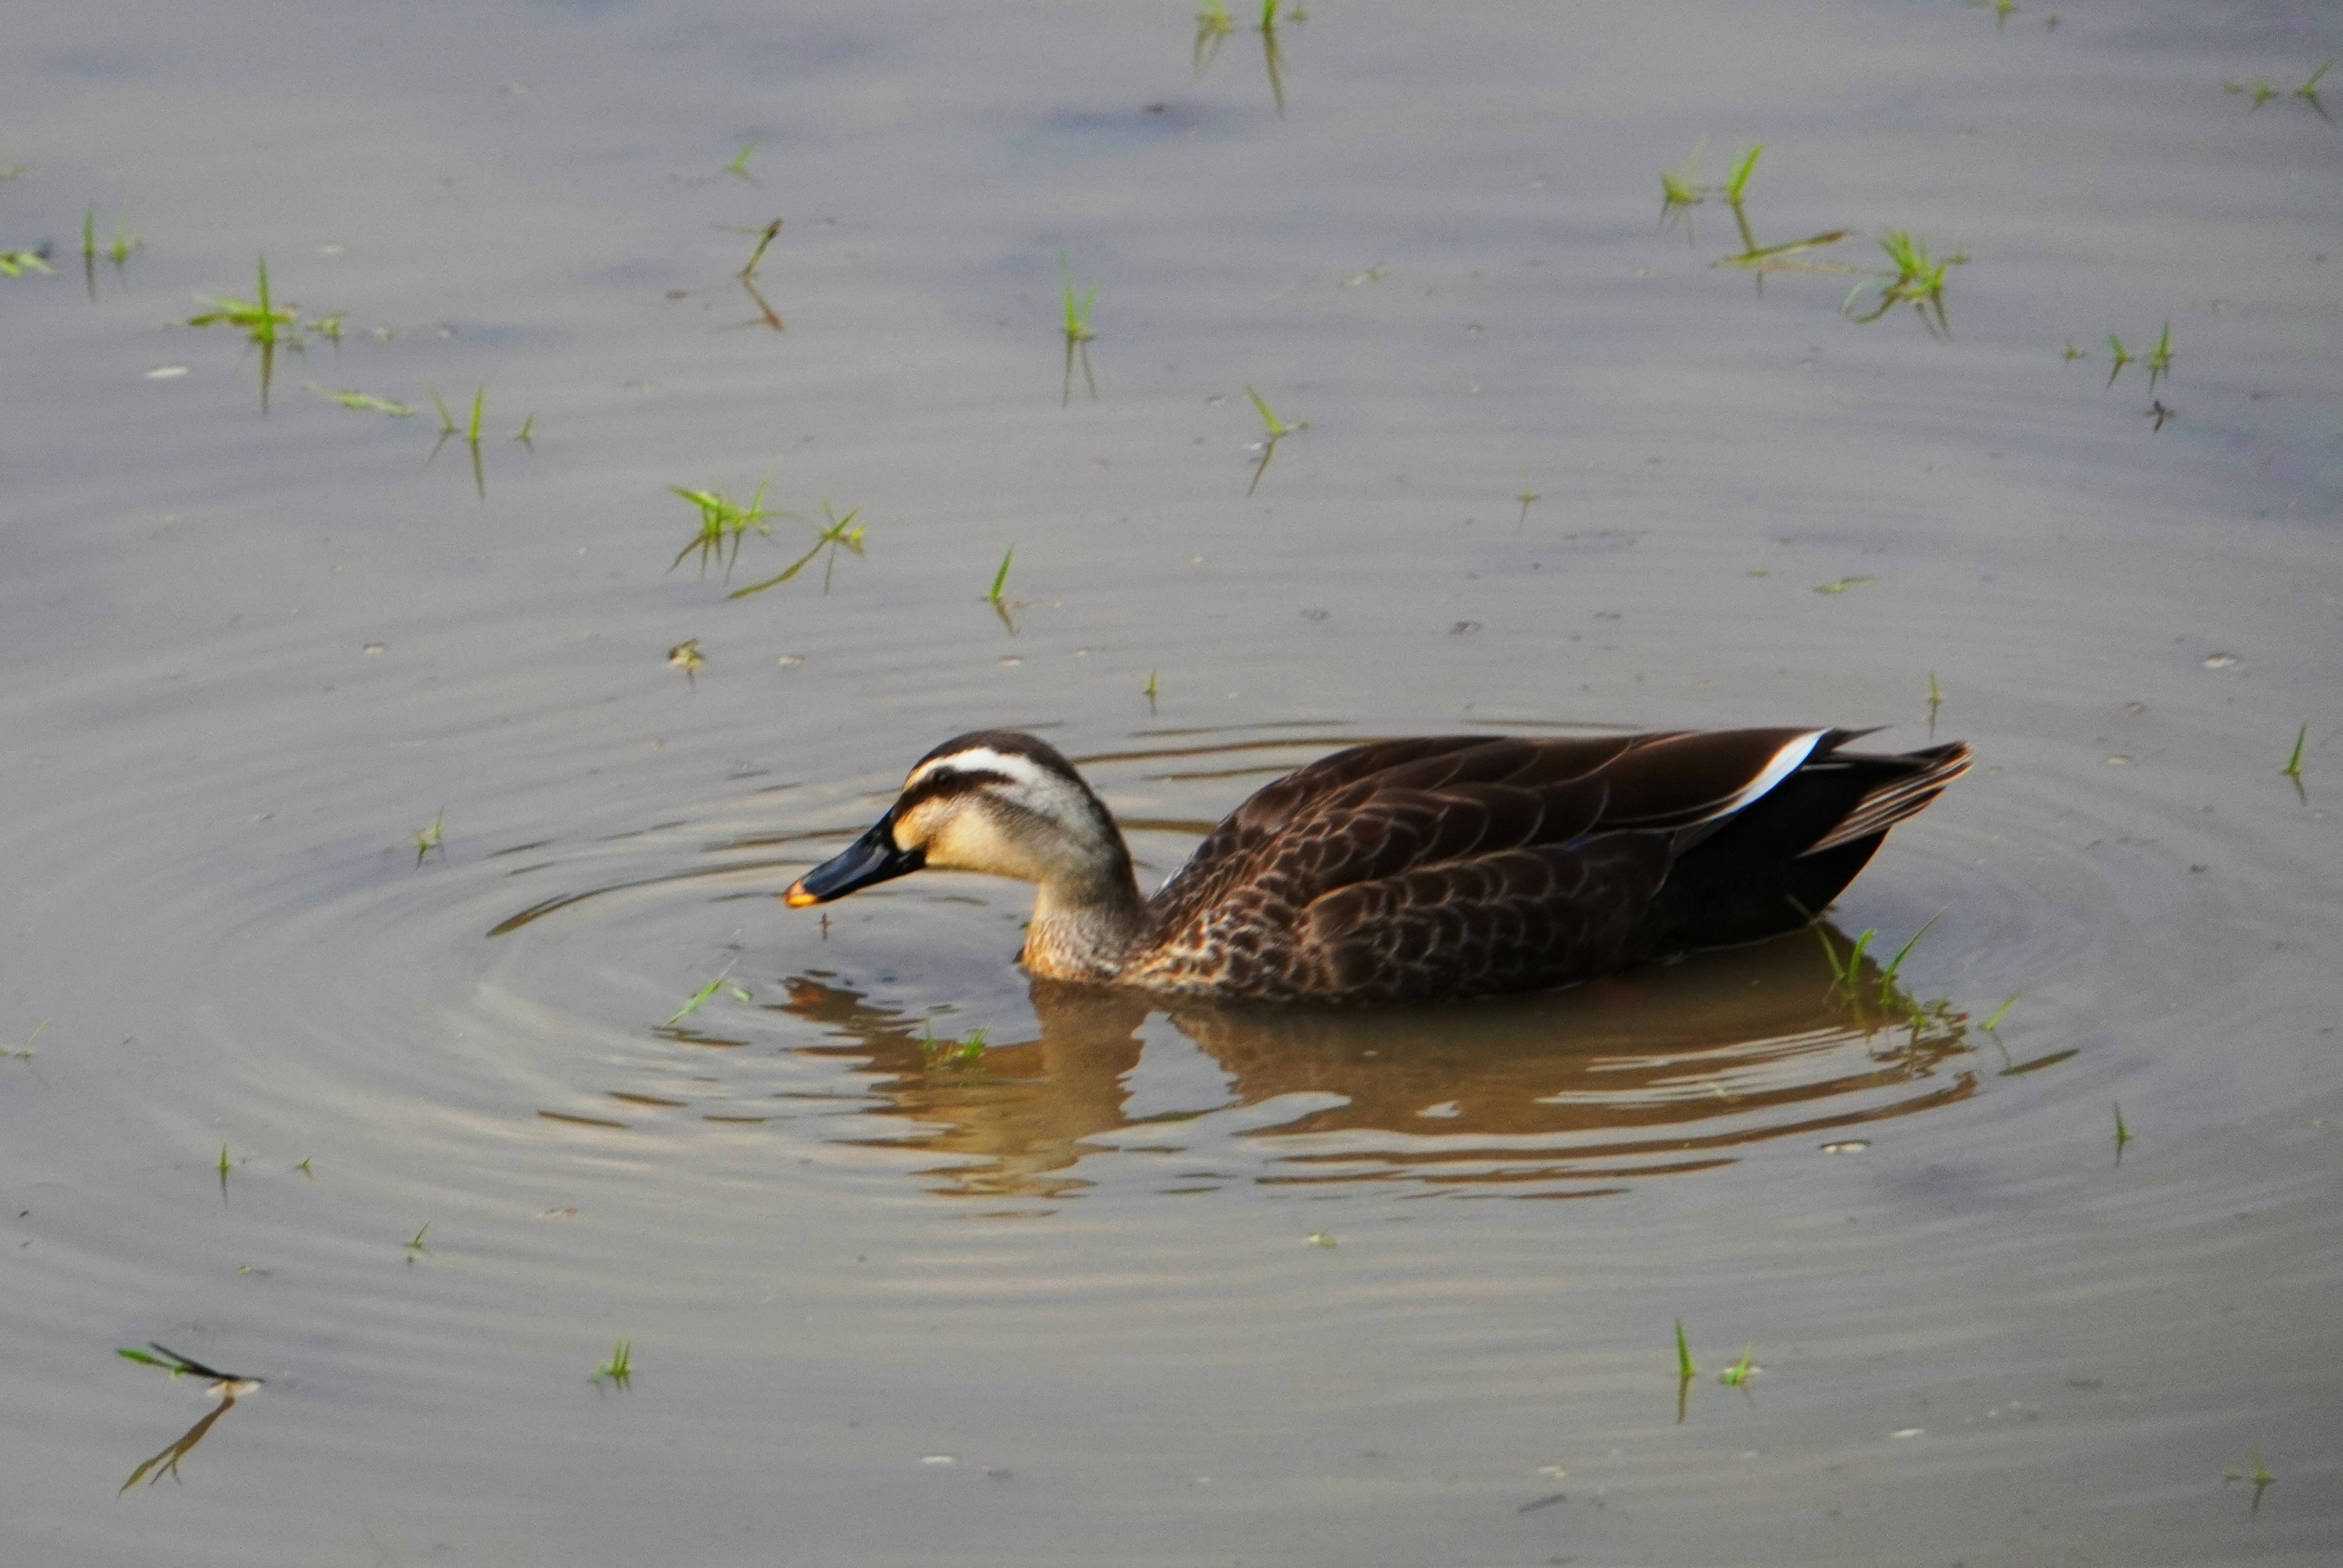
column 991, row 801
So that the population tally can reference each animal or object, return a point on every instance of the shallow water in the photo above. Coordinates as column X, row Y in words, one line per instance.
column 1130, row 1285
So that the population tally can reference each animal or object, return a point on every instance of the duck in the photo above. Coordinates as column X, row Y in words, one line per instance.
column 1429, row 869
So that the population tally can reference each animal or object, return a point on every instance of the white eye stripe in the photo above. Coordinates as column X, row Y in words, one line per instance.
column 985, row 759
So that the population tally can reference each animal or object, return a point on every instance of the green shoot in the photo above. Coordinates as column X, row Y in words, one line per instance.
column 447, row 425
column 1887, row 975
column 619, row 1369
column 1212, row 25
column 479, row 395
column 1685, row 1369
column 365, row 401
column 703, row 993
column 1278, row 430
column 1993, row 1023
column 1525, row 496
column 950, row 1052
column 1682, row 189
column 2159, row 359
column 1841, row 585
column 527, row 431
column 1918, row 280
column 2308, row 91
column 1845, row 972
column 24, row 1052
column 1077, row 329
column 1737, row 1374
column 1935, row 700
column 259, row 317
column 222, row 1165
column 2123, row 1133
column 415, row 1242
column 2122, row 356
column 722, row 522
column 686, row 657
column 2260, row 1476
column 993, row 594
column 2260, row 90
column 432, row 838
column 765, row 237
column 1078, row 312
column 2071, row 353
column 304, row 1166
column 842, row 533
column 123, row 243
column 2293, row 769
column 739, row 164
column 1149, row 693
column 1736, row 179
column 17, row 263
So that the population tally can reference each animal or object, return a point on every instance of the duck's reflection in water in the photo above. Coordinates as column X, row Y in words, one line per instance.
column 1665, row 1069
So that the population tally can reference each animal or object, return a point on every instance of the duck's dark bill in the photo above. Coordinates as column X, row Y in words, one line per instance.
column 873, row 858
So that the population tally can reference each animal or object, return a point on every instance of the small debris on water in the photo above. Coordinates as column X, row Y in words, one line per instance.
column 789, row 658
column 374, row 648
column 167, row 372
column 1446, row 1108
column 2118, row 760
column 1848, row 1145
column 1907, row 1432
column 939, row 1459
column 1318, row 1239
column 2219, row 660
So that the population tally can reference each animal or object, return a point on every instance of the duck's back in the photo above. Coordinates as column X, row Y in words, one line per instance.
column 1468, row 865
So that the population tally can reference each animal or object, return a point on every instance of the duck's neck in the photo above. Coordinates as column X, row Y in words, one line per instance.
column 1085, row 926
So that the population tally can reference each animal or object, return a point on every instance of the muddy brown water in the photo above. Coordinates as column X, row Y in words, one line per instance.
column 1131, row 1286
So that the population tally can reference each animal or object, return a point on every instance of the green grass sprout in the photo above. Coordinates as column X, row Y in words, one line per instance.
column 739, row 164
column 1887, row 975
column 1076, row 326
column 1683, row 188
column 1212, row 25
column 2121, row 355
column 1935, row 701
column 2293, row 769
column 686, row 657
column 1149, row 692
column 1846, row 970
column 703, row 993
column 415, row 1242
column 1736, row 179
column 2259, row 1475
column 1918, row 281
column 839, row 533
column 619, row 1369
column 2159, row 359
column 993, row 594
column 2123, row 1133
column 1276, row 430
column 17, row 263
column 527, row 434
column 2308, row 91
column 1684, row 1367
column 1992, row 1021
column 1841, row 585
column 260, row 318
column 25, row 1052
column 432, row 838
column 1737, row 1374
column 950, row 1052
column 1527, row 498
column 723, row 523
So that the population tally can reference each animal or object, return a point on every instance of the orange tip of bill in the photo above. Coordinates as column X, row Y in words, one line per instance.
column 797, row 898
